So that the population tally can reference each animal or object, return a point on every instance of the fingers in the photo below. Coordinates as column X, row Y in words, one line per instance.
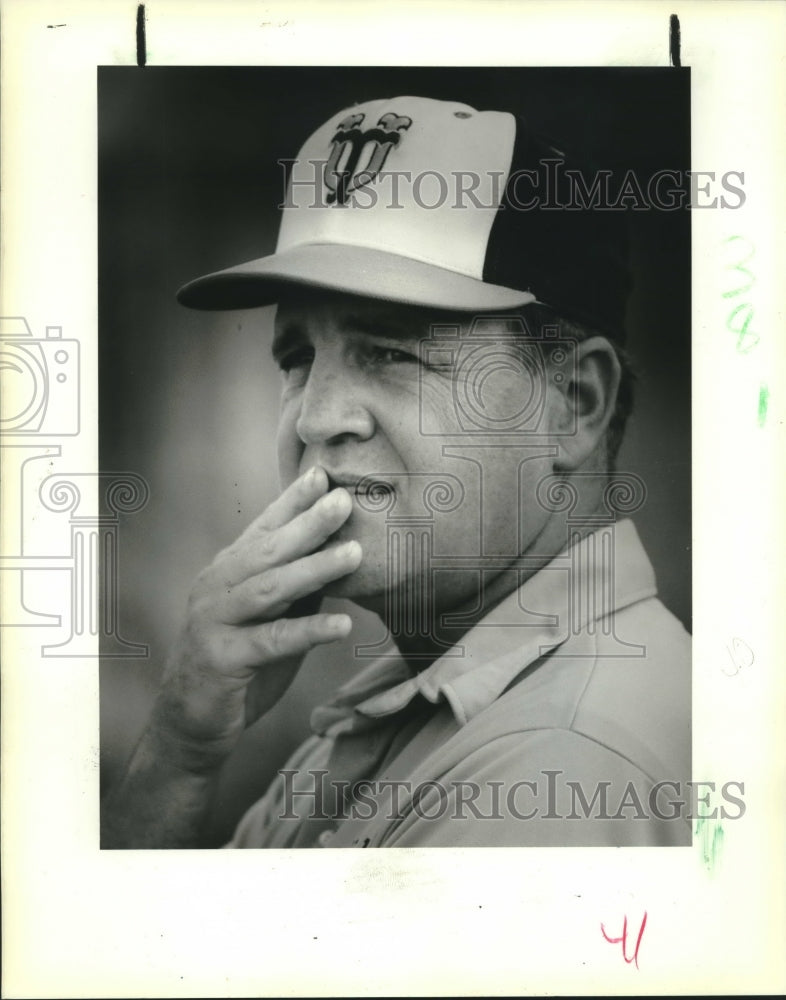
column 307, row 531
column 288, row 637
column 271, row 593
column 296, row 498
column 256, row 552
column 235, row 633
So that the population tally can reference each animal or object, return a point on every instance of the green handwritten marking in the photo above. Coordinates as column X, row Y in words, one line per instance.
column 709, row 833
column 764, row 398
column 739, row 319
column 740, row 266
column 746, row 339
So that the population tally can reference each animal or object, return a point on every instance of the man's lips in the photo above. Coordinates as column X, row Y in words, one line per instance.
column 360, row 484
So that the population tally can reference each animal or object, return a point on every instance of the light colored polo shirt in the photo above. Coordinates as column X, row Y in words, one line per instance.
column 561, row 719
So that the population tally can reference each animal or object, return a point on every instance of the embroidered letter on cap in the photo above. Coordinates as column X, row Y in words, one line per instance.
column 349, row 142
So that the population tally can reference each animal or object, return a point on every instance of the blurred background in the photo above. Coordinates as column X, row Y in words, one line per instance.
column 189, row 183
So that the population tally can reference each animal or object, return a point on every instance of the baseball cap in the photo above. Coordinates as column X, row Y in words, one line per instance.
column 434, row 203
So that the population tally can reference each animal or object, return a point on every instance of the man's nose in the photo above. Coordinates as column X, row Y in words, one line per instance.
column 332, row 406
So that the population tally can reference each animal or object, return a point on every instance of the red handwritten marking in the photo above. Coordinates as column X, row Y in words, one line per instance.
column 623, row 940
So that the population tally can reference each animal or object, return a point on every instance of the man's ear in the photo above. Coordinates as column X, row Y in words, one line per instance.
column 588, row 394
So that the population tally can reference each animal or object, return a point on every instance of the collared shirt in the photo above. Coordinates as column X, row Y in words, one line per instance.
column 561, row 718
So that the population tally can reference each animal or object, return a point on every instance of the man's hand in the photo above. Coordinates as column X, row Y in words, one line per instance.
column 250, row 622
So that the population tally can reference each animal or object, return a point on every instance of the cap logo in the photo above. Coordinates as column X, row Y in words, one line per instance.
column 349, row 144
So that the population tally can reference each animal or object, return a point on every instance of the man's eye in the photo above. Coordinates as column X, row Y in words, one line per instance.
column 300, row 358
column 392, row 355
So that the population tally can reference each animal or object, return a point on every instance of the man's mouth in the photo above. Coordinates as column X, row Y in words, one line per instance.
column 359, row 484
column 373, row 492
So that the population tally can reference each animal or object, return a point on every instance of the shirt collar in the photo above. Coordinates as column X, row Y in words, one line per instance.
column 601, row 573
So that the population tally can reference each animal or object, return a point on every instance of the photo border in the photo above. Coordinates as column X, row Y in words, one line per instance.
column 82, row 923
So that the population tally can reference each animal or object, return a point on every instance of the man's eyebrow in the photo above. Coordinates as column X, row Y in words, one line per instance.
column 387, row 326
column 413, row 328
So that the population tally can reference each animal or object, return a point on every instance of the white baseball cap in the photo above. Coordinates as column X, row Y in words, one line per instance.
column 432, row 203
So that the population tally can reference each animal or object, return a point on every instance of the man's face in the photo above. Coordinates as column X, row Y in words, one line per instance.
column 364, row 396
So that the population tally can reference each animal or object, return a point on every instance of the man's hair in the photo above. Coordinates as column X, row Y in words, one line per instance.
column 537, row 316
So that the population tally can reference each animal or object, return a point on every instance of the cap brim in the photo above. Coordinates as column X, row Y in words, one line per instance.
column 351, row 269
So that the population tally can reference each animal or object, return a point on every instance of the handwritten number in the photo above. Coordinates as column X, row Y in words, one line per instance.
column 740, row 266
column 746, row 339
column 623, row 940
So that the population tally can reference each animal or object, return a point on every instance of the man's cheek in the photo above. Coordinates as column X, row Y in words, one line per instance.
column 289, row 450
column 438, row 407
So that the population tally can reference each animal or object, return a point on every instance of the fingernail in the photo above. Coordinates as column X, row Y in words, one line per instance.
column 335, row 498
column 348, row 550
column 339, row 623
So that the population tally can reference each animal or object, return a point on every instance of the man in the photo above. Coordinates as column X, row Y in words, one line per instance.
column 454, row 390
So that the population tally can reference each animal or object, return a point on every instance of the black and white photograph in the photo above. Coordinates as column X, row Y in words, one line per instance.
column 391, row 437
column 407, row 379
